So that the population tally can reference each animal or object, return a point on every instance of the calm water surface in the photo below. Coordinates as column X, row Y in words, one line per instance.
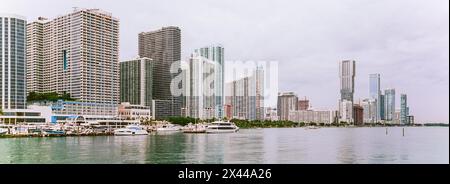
column 282, row 145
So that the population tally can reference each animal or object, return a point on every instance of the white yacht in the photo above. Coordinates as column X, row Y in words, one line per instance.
column 194, row 128
column 131, row 130
column 221, row 127
column 167, row 127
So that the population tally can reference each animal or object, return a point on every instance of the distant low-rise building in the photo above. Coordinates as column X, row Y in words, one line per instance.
column 312, row 116
column 134, row 112
column 32, row 115
column 396, row 117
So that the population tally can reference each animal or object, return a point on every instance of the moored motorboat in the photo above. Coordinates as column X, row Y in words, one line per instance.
column 167, row 127
column 196, row 128
column 221, row 127
column 131, row 130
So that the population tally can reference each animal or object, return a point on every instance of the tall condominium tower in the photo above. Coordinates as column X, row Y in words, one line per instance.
column 370, row 108
column 35, row 60
column 347, row 86
column 216, row 54
column 287, row 102
column 164, row 47
column 12, row 61
column 77, row 53
column 404, row 109
column 389, row 98
column 200, row 93
column 382, row 107
column 375, row 92
column 347, row 79
column 136, row 81
column 245, row 96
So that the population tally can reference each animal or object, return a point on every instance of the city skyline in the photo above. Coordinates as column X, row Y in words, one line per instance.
column 395, row 48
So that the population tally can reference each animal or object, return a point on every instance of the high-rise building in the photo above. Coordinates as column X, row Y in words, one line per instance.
column 382, row 107
column 287, row 102
column 347, row 79
column 358, row 114
column 347, row 89
column 201, row 101
column 79, row 55
column 35, row 59
column 216, row 54
column 12, row 61
column 375, row 92
column 346, row 111
column 259, row 90
column 239, row 95
column 370, row 110
column 389, row 103
column 136, row 81
column 404, row 109
column 245, row 96
column 303, row 104
column 164, row 47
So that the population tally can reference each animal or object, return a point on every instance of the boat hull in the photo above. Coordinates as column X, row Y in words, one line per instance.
column 130, row 133
column 194, row 131
column 218, row 131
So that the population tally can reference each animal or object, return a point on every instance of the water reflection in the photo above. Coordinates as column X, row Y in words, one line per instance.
column 284, row 145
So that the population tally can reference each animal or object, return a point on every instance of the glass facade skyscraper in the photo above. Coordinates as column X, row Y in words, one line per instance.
column 216, row 55
column 12, row 62
column 382, row 107
column 347, row 79
column 404, row 110
column 389, row 103
column 164, row 47
column 374, row 93
column 136, row 81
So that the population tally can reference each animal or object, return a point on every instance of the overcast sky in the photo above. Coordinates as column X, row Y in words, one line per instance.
column 406, row 41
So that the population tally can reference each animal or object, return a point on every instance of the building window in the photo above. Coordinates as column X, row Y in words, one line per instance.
column 64, row 60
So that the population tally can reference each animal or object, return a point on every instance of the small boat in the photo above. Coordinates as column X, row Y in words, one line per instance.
column 221, row 127
column 131, row 130
column 311, row 127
